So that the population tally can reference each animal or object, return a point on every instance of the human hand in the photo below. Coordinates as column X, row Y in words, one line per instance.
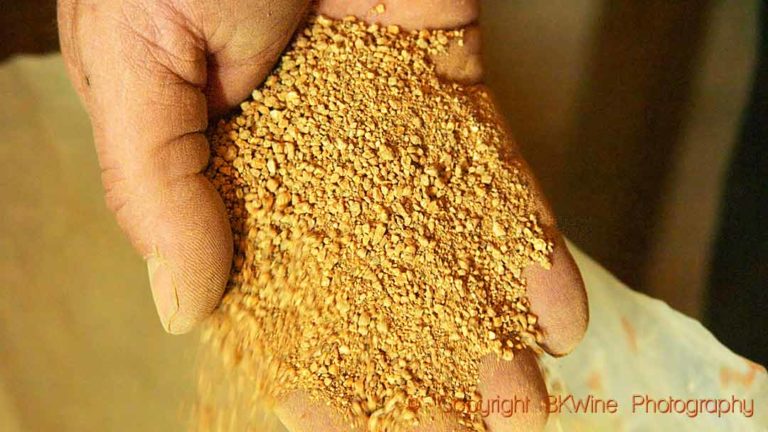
column 151, row 73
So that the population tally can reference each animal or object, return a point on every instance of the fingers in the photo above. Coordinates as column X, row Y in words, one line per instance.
column 149, row 115
column 513, row 399
column 147, row 72
column 559, row 300
column 423, row 14
column 299, row 413
column 513, row 393
column 462, row 61
column 244, row 40
column 557, row 294
column 442, row 423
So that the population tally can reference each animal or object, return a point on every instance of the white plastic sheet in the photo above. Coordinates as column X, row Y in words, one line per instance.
column 664, row 370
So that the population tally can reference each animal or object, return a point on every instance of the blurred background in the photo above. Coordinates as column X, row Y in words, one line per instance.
column 647, row 124
column 644, row 120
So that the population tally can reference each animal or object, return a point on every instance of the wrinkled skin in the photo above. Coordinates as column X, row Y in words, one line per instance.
column 152, row 72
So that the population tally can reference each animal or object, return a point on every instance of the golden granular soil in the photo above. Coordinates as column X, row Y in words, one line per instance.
column 381, row 226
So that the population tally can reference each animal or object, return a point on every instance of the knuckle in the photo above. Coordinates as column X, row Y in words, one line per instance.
column 115, row 194
column 155, row 38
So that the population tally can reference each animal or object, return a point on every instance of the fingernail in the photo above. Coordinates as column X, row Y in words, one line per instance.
column 166, row 300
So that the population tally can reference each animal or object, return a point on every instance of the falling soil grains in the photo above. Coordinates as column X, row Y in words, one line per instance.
column 381, row 227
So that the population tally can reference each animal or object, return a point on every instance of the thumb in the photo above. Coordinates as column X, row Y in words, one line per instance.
column 147, row 73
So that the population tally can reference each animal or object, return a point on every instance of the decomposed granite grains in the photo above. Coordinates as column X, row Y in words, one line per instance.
column 381, row 226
